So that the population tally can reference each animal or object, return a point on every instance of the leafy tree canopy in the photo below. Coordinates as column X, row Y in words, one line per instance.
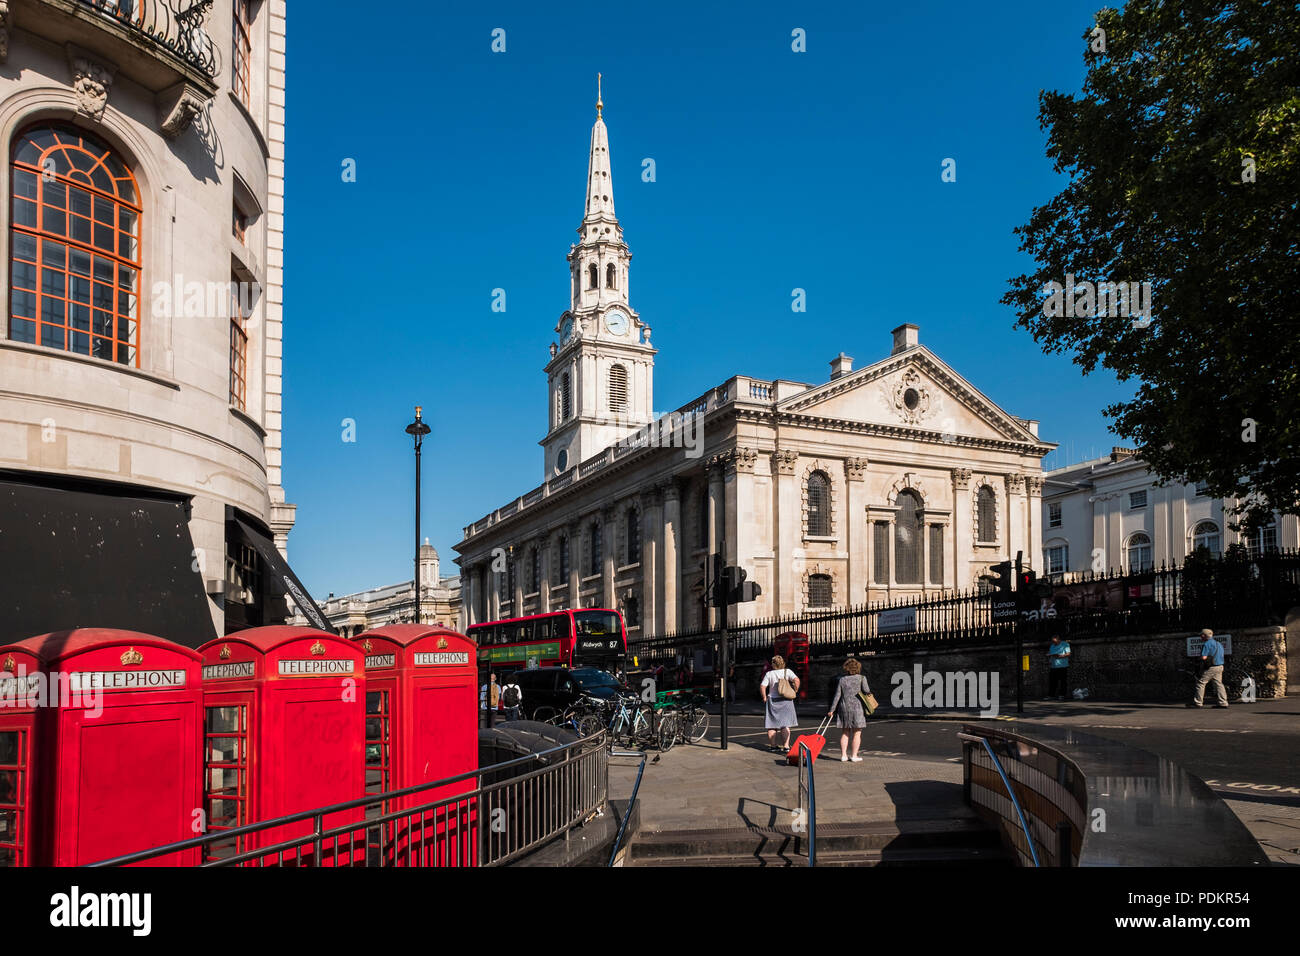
column 1183, row 161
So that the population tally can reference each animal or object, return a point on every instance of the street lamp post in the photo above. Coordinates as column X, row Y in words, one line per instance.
column 417, row 430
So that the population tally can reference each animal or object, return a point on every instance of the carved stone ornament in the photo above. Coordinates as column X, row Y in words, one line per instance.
column 855, row 468
column 961, row 478
column 784, row 459
column 91, row 80
column 908, row 398
column 1015, row 484
column 1034, row 484
column 4, row 30
column 740, row 460
column 177, row 107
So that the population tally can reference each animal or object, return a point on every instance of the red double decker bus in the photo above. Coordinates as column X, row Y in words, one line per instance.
column 589, row 637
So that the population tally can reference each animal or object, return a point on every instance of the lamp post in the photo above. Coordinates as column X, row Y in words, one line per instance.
column 417, row 430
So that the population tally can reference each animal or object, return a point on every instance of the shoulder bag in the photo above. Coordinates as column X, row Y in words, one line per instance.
column 867, row 698
column 785, row 688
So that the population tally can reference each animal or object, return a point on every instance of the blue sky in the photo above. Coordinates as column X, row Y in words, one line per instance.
column 775, row 170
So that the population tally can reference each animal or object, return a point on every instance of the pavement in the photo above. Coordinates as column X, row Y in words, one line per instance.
column 911, row 766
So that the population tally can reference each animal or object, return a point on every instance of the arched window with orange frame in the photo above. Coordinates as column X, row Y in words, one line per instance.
column 74, row 246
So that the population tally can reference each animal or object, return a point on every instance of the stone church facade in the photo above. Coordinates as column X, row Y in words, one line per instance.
column 896, row 480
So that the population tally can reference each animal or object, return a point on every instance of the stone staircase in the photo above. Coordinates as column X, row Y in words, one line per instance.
column 948, row 842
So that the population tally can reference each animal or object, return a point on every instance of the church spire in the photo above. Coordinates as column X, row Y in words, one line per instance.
column 600, row 185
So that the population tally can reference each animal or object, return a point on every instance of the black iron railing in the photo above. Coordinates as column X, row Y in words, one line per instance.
column 176, row 25
column 1220, row 592
column 501, row 813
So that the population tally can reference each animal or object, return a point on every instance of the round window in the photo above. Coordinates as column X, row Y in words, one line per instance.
column 911, row 398
column 562, row 461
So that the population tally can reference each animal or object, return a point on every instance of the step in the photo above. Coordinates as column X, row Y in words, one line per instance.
column 893, row 836
column 991, row 856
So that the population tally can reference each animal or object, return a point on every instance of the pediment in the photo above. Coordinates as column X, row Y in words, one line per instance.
column 912, row 390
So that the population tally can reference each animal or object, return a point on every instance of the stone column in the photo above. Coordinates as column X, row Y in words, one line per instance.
column 856, row 528
column 670, row 579
column 717, row 513
column 963, row 537
column 1035, row 522
column 575, row 564
column 608, row 520
column 519, row 558
column 739, row 485
column 786, row 525
column 466, row 598
column 1099, row 536
column 1015, row 487
column 544, row 571
column 652, row 529
column 493, row 577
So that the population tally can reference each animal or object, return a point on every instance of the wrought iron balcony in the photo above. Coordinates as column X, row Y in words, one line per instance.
column 176, row 25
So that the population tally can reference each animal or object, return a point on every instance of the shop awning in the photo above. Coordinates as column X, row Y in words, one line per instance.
column 279, row 571
column 98, row 556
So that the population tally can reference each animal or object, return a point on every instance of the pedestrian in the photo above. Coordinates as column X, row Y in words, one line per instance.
column 1212, row 662
column 512, row 696
column 777, row 683
column 852, row 715
column 489, row 690
column 1058, row 675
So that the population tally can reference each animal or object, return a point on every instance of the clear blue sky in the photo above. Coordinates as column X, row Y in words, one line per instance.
column 775, row 170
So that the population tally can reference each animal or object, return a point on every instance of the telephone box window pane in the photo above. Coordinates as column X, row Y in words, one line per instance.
column 8, row 786
column 224, row 720
column 9, row 747
column 225, row 813
column 8, row 856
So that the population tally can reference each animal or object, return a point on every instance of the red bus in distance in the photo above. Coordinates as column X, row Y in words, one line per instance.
column 589, row 637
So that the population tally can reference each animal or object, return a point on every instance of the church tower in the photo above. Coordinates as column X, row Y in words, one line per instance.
column 600, row 380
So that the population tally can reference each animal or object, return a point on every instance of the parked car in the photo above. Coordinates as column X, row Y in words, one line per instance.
column 555, row 688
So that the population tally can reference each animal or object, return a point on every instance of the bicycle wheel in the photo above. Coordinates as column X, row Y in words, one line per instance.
column 589, row 724
column 698, row 726
column 547, row 715
column 668, row 729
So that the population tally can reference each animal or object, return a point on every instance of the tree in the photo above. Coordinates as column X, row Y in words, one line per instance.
column 1183, row 162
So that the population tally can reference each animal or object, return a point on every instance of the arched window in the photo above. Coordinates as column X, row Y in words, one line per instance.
column 819, row 590
column 618, row 389
column 609, row 276
column 565, row 397
column 633, row 536
column 986, row 514
column 1137, row 552
column 907, row 538
column 1206, row 535
column 819, row 504
column 75, row 246
column 591, row 276
column 594, row 566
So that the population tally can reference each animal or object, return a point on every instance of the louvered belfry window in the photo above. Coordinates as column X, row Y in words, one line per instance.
column 907, row 539
column 618, row 389
column 819, row 504
column 986, row 514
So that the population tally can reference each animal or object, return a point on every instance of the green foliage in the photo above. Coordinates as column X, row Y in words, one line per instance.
column 1154, row 149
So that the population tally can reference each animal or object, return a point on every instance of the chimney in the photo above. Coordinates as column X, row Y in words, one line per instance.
column 841, row 365
column 905, row 337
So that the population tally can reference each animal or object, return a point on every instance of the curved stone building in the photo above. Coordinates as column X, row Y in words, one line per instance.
column 140, row 374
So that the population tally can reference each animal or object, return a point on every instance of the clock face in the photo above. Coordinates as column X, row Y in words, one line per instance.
column 566, row 331
column 616, row 321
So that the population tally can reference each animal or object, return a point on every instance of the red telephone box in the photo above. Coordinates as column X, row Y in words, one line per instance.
column 793, row 646
column 283, row 733
column 101, row 759
column 421, row 725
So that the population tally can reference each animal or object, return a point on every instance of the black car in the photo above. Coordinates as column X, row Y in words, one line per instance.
column 555, row 688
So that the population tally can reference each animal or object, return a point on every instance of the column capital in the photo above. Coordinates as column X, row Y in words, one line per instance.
column 961, row 478
column 783, row 460
column 1015, row 483
column 855, row 469
column 1034, row 484
column 649, row 497
column 670, row 491
column 740, row 460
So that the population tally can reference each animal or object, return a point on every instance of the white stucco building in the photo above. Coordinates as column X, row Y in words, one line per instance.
column 140, row 362
column 896, row 479
column 1110, row 514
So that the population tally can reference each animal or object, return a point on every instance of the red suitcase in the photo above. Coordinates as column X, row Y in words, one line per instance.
column 815, row 743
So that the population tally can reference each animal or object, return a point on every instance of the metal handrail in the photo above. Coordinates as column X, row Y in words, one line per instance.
column 1029, row 837
column 809, row 817
column 618, row 841
column 317, row 815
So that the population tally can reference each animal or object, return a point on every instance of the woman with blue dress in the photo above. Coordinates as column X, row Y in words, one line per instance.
column 780, row 712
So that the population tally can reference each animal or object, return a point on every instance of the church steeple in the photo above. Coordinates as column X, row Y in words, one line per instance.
column 601, row 373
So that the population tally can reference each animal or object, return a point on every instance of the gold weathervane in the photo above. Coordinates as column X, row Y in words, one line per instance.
column 599, row 104
column 131, row 657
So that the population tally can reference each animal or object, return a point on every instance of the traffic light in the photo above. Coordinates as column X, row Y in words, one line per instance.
column 732, row 587
column 1025, row 581
column 999, row 578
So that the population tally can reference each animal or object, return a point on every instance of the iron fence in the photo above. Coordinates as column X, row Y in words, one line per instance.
column 1219, row 592
column 176, row 25
column 497, row 814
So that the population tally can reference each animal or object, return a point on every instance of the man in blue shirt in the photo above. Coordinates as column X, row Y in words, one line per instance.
column 1058, row 681
column 1212, row 661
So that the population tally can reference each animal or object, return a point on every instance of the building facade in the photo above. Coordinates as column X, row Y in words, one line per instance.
column 1109, row 513
column 894, row 480
column 438, row 602
column 140, row 362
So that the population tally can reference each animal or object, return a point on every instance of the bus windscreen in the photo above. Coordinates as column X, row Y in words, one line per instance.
column 598, row 634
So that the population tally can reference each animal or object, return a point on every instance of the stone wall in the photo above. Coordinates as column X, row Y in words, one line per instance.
column 1126, row 668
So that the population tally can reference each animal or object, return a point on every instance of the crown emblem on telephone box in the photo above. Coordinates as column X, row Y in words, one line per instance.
column 318, row 649
column 225, row 652
column 131, row 657
column 442, row 643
